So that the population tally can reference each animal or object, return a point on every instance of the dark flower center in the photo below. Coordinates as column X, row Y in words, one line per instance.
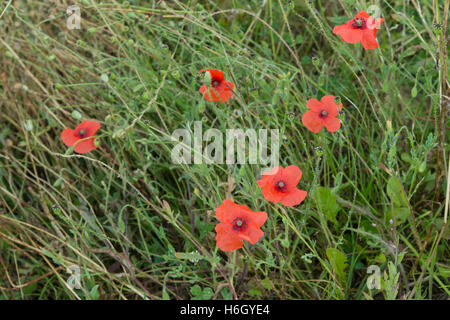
column 81, row 133
column 239, row 224
column 359, row 23
column 281, row 186
column 215, row 83
column 323, row 114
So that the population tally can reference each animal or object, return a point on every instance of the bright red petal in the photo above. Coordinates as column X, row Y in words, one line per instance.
column 226, row 238
column 69, row 137
column 330, row 106
column 90, row 126
column 251, row 234
column 209, row 94
column 271, row 194
column 312, row 121
column 268, row 176
column 362, row 14
column 332, row 124
column 294, row 198
column 291, row 175
column 224, row 90
column 225, row 212
column 85, row 146
column 257, row 218
column 215, row 74
column 369, row 40
column 352, row 35
column 315, row 105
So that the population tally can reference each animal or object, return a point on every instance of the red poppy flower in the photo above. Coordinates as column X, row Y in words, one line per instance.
column 77, row 137
column 219, row 90
column 280, row 185
column 237, row 223
column 362, row 28
column 322, row 113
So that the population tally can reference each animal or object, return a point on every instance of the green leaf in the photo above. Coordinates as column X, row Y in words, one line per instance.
column 395, row 192
column 267, row 284
column 339, row 20
column 165, row 295
column 326, row 203
column 226, row 294
column 207, row 293
column 255, row 292
column 399, row 200
column 196, row 290
column 192, row 256
column 414, row 92
column 94, row 292
column 339, row 263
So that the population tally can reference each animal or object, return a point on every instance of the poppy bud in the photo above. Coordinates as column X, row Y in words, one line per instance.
column 437, row 28
column 389, row 124
column 28, row 125
column 337, row 100
column 207, row 78
column 76, row 115
column 315, row 61
column 291, row 115
column 176, row 74
column 104, row 77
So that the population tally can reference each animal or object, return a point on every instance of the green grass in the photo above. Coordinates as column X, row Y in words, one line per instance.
column 133, row 221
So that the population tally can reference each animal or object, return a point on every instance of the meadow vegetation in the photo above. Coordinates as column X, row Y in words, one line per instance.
column 139, row 226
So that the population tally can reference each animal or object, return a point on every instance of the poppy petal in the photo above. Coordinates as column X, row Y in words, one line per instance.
column 362, row 14
column 268, row 176
column 226, row 239
column 332, row 124
column 369, row 41
column 270, row 194
column 224, row 90
column 69, row 137
column 330, row 105
column 215, row 74
column 209, row 94
column 293, row 198
column 292, row 175
column 85, row 146
column 258, row 218
column 312, row 121
column 224, row 212
column 351, row 35
column 315, row 105
column 251, row 234
column 90, row 126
